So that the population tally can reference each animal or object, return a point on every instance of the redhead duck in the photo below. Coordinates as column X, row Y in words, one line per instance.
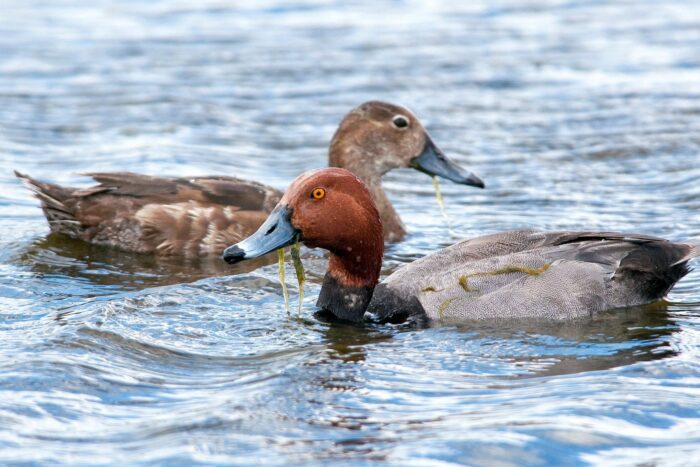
column 200, row 216
column 519, row 274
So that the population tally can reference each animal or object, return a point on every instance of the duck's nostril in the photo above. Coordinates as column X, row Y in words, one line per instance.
column 271, row 229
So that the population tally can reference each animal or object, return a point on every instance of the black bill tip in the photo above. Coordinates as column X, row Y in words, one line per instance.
column 433, row 161
column 276, row 232
column 473, row 180
column 234, row 254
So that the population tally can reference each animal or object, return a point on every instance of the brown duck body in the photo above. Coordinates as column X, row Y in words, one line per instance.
column 191, row 217
column 200, row 216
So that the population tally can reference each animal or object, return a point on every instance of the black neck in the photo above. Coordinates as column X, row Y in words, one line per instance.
column 345, row 302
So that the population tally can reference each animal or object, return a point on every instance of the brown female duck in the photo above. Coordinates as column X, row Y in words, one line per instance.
column 519, row 274
column 200, row 216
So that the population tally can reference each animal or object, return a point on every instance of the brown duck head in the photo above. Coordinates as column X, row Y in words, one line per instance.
column 330, row 209
column 377, row 137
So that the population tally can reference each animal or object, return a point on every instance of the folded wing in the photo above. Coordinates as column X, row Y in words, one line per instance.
column 524, row 274
column 168, row 216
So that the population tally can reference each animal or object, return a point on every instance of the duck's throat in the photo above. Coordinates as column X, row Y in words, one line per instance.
column 394, row 229
column 371, row 176
column 349, row 283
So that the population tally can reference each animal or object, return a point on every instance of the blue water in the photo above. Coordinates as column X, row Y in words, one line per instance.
column 577, row 114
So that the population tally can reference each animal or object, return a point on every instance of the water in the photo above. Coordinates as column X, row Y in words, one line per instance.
column 578, row 115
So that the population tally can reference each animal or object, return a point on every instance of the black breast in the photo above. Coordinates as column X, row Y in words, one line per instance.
column 346, row 303
column 387, row 306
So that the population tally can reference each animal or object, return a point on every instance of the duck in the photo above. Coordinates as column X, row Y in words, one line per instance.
column 521, row 274
column 199, row 216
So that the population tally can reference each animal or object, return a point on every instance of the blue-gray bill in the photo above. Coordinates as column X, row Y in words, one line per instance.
column 277, row 232
column 433, row 161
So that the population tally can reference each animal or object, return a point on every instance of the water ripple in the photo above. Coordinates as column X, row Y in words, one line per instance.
column 579, row 115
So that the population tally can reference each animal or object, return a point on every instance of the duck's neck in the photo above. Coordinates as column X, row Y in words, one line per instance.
column 353, row 272
column 370, row 172
column 394, row 229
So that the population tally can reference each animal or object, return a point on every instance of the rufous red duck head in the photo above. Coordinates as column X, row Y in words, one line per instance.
column 330, row 209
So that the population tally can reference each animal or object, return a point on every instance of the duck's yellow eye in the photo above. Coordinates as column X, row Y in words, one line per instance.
column 318, row 193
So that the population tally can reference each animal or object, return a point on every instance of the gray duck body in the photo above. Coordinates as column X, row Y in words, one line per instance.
column 531, row 274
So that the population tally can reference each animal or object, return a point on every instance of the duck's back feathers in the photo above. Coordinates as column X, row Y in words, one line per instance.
column 241, row 194
column 184, row 216
column 525, row 274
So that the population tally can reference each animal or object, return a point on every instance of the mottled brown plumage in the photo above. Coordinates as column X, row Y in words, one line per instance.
column 167, row 216
column 200, row 216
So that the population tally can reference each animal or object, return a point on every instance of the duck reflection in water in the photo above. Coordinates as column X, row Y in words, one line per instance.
column 58, row 255
column 614, row 339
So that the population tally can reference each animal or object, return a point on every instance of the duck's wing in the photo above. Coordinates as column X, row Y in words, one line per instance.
column 528, row 274
column 230, row 191
column 169, row 216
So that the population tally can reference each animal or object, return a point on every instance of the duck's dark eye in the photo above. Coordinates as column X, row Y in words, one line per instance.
column 400, row 121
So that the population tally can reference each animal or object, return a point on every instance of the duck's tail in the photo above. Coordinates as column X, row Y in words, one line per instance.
column 693, row 252
column 59, row 213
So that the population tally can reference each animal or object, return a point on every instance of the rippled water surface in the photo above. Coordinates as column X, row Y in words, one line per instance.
column 578, row 114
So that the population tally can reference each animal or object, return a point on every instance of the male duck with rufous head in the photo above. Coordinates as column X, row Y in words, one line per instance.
column 200, row 216
column 518, row 274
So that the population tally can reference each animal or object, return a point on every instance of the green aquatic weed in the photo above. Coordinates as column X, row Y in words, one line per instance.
column 438, row 196
column 443, row 306
column 299, row 268
column 464, row 280
column 280, row 258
